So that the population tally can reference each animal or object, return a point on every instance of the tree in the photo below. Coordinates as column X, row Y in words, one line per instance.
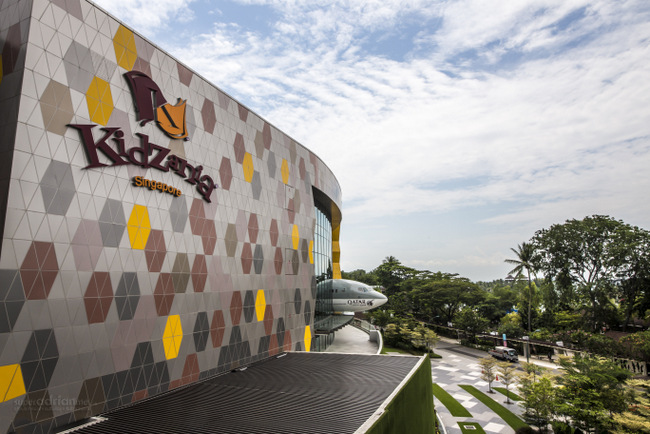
column 537, row 391
column 592, row 391
column 440, row 298
column 591, row 255
column 527, row 260
column 507, row 376
column 424, row 337
column 471, row 322
column 488, row 370
column 636, row 419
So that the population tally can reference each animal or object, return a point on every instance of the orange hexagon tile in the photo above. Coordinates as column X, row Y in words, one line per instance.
column 172, row 336
column 311, row 252
column 248, row 167
column 307, row 338
column 260, row 304
column 295, row 237
column 139, row 227
column 99, row 100
column 12, row 384
column 125, row 50
column 285, row 171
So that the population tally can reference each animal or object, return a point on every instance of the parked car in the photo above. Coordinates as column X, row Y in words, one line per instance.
column 504, row 353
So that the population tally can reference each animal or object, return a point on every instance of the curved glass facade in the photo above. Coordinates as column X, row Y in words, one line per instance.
column 322, row 246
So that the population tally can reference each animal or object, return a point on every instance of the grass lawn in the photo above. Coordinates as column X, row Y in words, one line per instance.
column 509, row 417
column 513, row 396
column 455, row 408
column 470, row 428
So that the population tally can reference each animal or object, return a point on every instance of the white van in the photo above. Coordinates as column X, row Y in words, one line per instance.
column 504, row 353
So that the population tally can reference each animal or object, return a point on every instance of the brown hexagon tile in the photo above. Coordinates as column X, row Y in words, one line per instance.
column 246, row 258
column 235, row 308
column 197, row 217
column 208, row 115
column 87, row 245
column 240, row 148
column 259, row 144
column 268, row 319
column 274, row 232
column 273, row 346
column 302, row 169
column 98, row 297
column 243, row 112
column 266, row 135
column 39, row 270
column 163, row 294
column 155, row 250
column 253, row 228
column 209, row 237
column 199, row 273
column 278, row 261
column 225, row 173
column 184, row 74
column 217, row 328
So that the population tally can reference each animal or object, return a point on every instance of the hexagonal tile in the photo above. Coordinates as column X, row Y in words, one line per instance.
column 278, row 261
column 235, row 308
column 139, row 227
column 39, row 360
column 201, row 331
column 112, row 223
column 208, row 116
column 307, row 338
column 12, row 384
column 246, row 258
column 302, row 169
column 274, row 232
column 181, row 273
column 295, row 237
column 98, row 297
column 260, row 305
column 297, row 301
column 243, row 112
column 56, row 107
column 268, row 320
column 184, row 74
column 39, row 270
column 127, row 296
column 256, row 185
column 308, row 312
column 217, row 328
column 99, row 100
column 258, row 259
column 259, row 145
column 172, row 336
column 225, row 173
column 78, row 64
column 304, row 250
column 87, row 245
column 57, row 187
column 163, row 294
column 125, row 49
column 249, row 306
column 199, row 273
column 284, row 169
column 12, row 300
column 247, row 166
column 240, row 148
column 230, row 239
column 270, row 164
column 253, row 228
column 266, row 133
column 209, row 237
column 178, row 214
column 155, row 250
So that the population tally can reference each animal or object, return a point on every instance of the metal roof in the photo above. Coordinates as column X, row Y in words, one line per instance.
column 294, row 393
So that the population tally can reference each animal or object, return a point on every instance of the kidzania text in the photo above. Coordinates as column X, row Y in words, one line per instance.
column 147, row 155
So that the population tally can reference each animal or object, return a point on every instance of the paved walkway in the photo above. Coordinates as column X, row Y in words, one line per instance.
column 352, row 340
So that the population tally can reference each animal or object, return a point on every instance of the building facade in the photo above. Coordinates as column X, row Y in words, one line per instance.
column 154, row 230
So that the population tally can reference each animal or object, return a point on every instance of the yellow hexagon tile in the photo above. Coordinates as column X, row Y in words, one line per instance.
column 248, row 167
column 125, row 51
column 139, row 227
column 172, row 336
column 12, row 384
column 307, row 338
column 285, row 171
column 100, row 101
column 295, row 237
column 311, row 252
column 260, row 305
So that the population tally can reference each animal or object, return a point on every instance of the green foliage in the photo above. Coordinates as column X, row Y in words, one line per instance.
column 538, row 397
column 488, row 370
column 592, row 390
column 511, row 326
column 636, row 419
column 637, row 345
column 471, row 322
column 506, row 373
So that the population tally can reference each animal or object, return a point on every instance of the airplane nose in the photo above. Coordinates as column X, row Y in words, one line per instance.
column 381, row 300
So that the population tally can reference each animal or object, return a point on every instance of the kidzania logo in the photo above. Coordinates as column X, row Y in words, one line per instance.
column 150, row 105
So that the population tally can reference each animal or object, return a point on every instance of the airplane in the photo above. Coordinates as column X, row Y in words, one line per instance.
column 350, row 296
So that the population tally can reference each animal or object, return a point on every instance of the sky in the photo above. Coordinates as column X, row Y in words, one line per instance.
column 455, row 128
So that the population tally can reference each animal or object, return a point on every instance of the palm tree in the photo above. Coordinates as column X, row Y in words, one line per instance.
column 527, row 260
